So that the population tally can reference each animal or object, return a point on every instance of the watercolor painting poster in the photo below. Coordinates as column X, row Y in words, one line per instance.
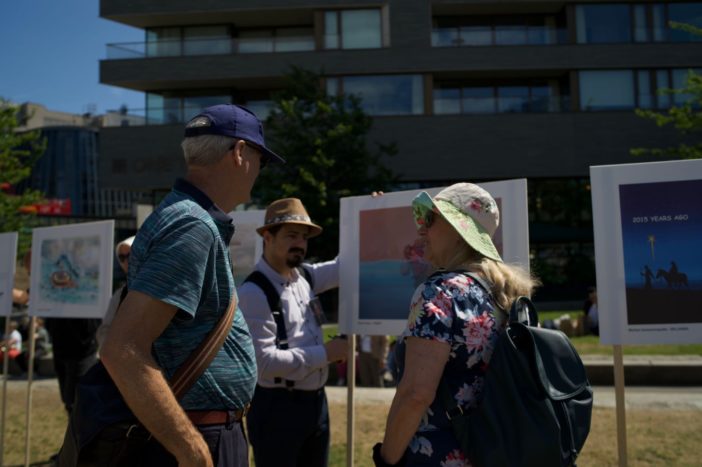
column 71, row 270
column 381, row 254
column 648, row 228
column 246, row 246
column 8, row 262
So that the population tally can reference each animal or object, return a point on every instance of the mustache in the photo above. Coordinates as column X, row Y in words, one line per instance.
column 297, row 250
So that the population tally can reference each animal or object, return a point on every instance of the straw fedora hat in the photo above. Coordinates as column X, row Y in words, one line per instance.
column 288, row 211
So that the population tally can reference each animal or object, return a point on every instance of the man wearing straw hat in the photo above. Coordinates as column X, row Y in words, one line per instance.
column 289, row 418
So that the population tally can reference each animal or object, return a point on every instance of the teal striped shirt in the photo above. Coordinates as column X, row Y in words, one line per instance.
column 180, row 257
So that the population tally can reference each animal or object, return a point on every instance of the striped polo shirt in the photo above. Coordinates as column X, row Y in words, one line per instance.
column 180, row 257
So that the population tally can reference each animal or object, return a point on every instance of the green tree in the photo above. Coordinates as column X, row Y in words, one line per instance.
column 686, row 118
column 324, row 141
column 19, row 152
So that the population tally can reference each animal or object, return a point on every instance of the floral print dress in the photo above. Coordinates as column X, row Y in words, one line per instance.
column 453, row 308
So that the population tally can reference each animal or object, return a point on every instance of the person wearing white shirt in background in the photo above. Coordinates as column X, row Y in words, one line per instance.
column 122, row 254
column 289, row 418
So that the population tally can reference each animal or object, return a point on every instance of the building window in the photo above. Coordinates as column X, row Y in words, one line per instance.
column 626, row 89
column 353, row 29
column 383, row 95
column 526, row 97
column 497, row 30
column 164, row 109
column 644, row 22
column 603, row 24
column 688, row 13
column 607, row 90
column 276, row 40
column 206, row 40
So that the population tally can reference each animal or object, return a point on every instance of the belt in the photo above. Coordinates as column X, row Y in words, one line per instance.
column 215, row 417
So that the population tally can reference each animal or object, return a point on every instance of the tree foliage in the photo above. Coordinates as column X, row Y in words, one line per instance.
column 686, row 118
column 19, row 152
column 324, row 141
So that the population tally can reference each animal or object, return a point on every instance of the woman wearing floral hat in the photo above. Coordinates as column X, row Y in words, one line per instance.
column 452, row 327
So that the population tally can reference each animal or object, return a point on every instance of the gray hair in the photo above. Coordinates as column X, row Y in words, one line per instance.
column 205, row 150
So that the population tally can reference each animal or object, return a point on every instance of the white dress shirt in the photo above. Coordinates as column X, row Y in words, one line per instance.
column 305, row 359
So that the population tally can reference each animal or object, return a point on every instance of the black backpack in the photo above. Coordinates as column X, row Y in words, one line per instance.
column 536, row 404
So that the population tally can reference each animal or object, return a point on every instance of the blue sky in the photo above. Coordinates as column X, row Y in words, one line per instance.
column 50, row 52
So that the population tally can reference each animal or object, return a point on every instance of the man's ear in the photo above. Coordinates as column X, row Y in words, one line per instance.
column 239, row 152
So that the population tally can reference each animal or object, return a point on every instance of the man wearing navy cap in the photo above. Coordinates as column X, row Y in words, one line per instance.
column 180, row 283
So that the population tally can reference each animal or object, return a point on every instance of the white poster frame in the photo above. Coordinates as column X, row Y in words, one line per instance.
column 41, row 306
column 8, row 264
column 512, row 195
column 609, row 252
column 246, row 223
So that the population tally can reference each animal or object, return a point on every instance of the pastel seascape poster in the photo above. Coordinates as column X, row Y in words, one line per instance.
column 391, row 262
column 70, row 270
column 661, row 238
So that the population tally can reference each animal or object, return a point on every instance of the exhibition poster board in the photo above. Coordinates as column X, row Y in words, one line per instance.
column 381, row 254
column 71, row 270
column 8, row 262
column 648, row 231
column 246, row 246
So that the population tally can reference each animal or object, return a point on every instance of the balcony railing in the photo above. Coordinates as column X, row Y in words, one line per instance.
column 215, row 46
column 483, row 36
column 501, row 104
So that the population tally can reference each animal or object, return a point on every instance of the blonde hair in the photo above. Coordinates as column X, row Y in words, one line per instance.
column 508, row 281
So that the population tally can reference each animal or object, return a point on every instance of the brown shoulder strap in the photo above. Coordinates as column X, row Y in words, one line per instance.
column 202, row 356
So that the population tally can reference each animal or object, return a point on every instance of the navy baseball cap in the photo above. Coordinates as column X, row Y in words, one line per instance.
column 231, row 120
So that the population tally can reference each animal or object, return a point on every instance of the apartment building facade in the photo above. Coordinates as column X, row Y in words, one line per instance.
column 469, row 90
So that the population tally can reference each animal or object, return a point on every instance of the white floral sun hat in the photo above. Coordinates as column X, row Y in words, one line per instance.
column 469, row 209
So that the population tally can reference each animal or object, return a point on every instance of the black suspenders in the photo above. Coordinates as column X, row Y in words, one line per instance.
column 281, row 340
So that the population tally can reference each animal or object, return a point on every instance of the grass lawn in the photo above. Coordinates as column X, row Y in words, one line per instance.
column 655, row 437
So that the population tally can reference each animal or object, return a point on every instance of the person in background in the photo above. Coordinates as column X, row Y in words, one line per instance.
column 289, row 419
column 122, row 254
column 592, row 319
column 11, row 344
column 371, row 360
column 453, row 325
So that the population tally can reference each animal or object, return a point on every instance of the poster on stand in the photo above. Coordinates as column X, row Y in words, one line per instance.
column 246, row 246
column 648, row 227
column 8, row 262
column 382, row 258
column 71, row 270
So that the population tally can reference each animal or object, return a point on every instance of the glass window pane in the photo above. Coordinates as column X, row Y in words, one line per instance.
column 445, row 37
column 447, row 101
column 645, row 98
column 478, row 100
column 680, row 77
column 360, row 29
column 163, row 42
column 606, row 90
column 512, row 98
column 256, row 41
column 192, row 105
column 688, row 13
column 476, row 35
column 640, row 24
column 261, row 108
column 510, row 34
column 333, row 86
column 658, row 26
column 206, row 40
column 331, row 30
column 294, row 40
column 662, row 83
column 603, row 24
column 387, row 95
column 540, row 100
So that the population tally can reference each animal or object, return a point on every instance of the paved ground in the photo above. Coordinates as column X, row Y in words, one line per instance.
column 637, row 397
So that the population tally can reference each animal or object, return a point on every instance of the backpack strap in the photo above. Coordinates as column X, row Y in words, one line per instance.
column 273, row 298
column 304, row 272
